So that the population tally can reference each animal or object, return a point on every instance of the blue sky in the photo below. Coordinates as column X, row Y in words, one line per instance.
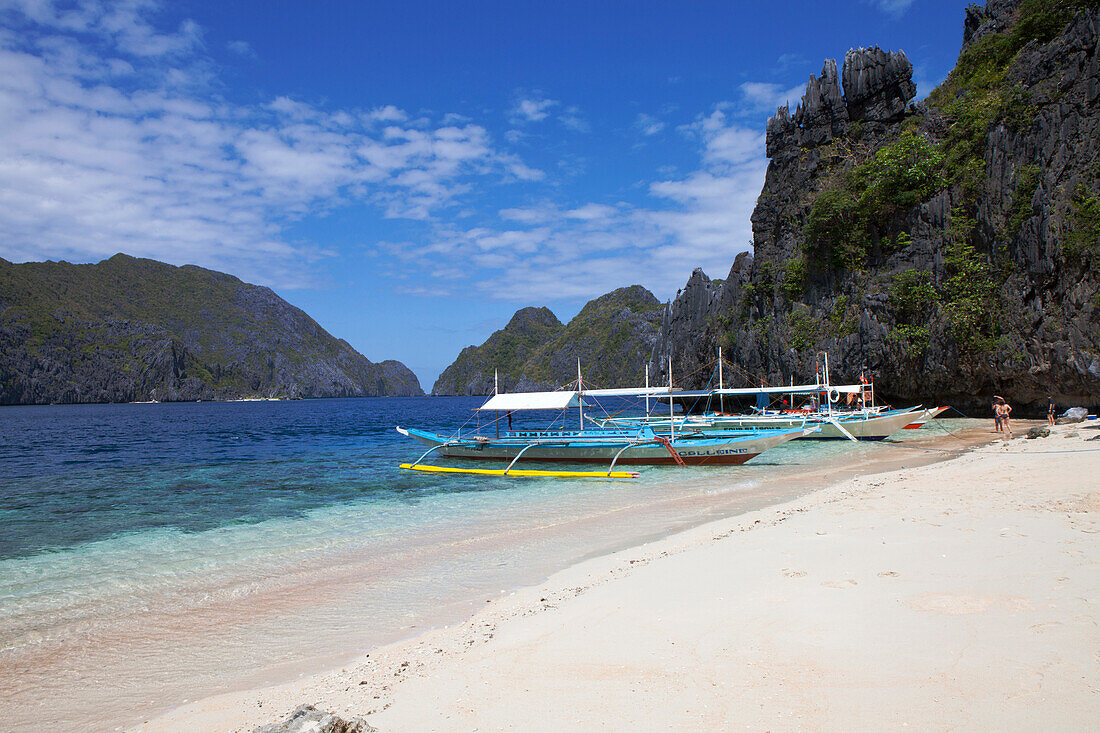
column 411, row 173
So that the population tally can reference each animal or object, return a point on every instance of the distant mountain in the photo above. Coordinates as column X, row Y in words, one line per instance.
column 612, row 336
column 129, row 329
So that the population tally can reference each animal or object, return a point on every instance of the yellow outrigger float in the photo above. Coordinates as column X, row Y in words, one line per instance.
column 520, row 472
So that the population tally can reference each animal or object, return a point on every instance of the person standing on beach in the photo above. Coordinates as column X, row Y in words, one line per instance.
column 1004, row 410
column 997, row 402
column 1050, row 410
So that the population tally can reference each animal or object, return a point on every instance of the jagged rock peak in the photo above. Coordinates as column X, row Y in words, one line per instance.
column 780, row 128
column 877, row 84
column 533, row 316
column 995, row 17
column 693, row 299
column 822, row 103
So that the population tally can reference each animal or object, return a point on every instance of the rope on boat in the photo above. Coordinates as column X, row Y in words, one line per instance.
column 668, row 445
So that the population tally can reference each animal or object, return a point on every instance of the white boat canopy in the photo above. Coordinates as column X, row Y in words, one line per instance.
column 532, row 401
column 630, row 392
column 792, row 389
column 752, row 391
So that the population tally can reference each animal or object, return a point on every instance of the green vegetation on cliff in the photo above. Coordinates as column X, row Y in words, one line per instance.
column 863, row 207
column 860, row 214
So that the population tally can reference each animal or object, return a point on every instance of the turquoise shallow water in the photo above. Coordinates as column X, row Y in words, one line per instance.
column 155, row 553
column 75, row 474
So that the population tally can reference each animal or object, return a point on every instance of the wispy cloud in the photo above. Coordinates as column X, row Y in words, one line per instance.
column 767, row 97
column 242, row 49
column 895, row 8
column 115, row 139
column 790, row 60
column 574, row 120
column 648, row 125
column 532, row 109
column 548, row 252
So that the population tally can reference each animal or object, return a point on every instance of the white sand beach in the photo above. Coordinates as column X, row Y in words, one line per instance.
column 959, row 595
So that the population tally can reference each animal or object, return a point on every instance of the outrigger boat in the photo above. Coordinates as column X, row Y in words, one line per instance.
column 636, row 445
column 863, row 424
column 828, row 410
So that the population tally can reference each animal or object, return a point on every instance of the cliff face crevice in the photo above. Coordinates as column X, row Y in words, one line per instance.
column 949, row 246
column 129, row 329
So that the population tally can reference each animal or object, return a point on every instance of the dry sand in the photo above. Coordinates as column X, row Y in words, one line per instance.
column 961, row 595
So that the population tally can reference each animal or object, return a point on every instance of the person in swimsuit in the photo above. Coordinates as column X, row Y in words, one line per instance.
column 997, row 402
column 1005, row 409
column 1050, row 410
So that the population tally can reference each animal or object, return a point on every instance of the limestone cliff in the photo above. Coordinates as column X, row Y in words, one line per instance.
column 949, row 246
column 131, row 329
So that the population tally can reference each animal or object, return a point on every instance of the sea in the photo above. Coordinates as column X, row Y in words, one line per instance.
column 153, row 554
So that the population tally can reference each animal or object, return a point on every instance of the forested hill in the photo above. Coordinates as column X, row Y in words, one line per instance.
column 129, row 329
column 612, row 336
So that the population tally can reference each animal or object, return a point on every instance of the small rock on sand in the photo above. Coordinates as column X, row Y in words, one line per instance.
column 308, row 719
column 1072, row 415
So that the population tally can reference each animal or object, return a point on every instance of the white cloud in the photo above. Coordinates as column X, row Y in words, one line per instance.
column 574, row 120
column 548, row 252
column 529, row 215
column 725, row 144
column 114, row 139
column 387, row 113
column 533, row 109
column 122, row 22
column 242, row 49
column 530, row 108
column 895, row 8
column 647, row 124
column 766, row 97
column 592, row 212
column 787, row 60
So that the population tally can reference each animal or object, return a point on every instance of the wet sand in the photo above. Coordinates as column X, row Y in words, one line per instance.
column 957, row 594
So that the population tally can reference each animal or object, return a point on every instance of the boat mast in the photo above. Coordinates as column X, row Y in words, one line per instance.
column 647, row 389
column 721, row 397
column 671, row 404
column 580, row 393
